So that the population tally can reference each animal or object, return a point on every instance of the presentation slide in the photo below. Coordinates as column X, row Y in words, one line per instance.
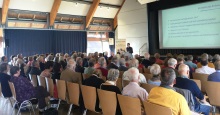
column 194, row 26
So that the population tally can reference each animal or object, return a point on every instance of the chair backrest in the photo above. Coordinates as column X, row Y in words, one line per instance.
column 108, row 101
column 33, row 79
column 146, row 70
column 154, row 109
column 129, row 105
column 213, row 94
column 41, row 81
column 61, row 89
column 12, row 87
column 198, row 82
column 73, row 91
column 50, row 86
column 147, row 87
column 85, row 76
column 89, row 97
column 119, row 83
column 125, row 82
column 121, row 74
column 203, row 78
column 148, row 76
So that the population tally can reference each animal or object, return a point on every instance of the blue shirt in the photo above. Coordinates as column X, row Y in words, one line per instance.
column 154, row 82
column 214, row 76
column 185, row 83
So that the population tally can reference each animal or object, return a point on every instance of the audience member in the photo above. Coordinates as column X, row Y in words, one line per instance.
column 35, row 69
column 168, row 56
column 113, row 64
column 4, row 79
column 122, row 64
column 48, row 70
column 205, row 56
column 172, row 64
column 155, row 71
column 41, row 61
column 184, row 82
column 216, row 75
column 79, row 65
column 102, row 67
column 190, row 63
column 90, row 69
column 205, row 69
column 4, row 59
column 158, row 60
column 166, row 96
column 146, row 61
column 57, row 69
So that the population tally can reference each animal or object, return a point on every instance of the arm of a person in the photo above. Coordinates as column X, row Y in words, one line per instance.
column 197, row 91
column 184, row 108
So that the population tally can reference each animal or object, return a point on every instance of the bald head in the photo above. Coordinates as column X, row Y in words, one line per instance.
column 183, row 70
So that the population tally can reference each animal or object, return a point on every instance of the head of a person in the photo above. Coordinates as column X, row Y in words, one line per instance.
column 133, row 63
column 122, row 61
column 168, row 77
column 11, row 57
column 157, row 55
column 61, row 58
column 115, row 59
column 189, row 58
column 40, row 59
column 155, row 70
column 92, row 62
column 210, row 58
column 15, row 71
column 180, row 59
column 100, row 54
column 169, row 55
column 19, row 62
column 216, row 57
column 146, row 55
column 49, row 65
column 105, row 53
column 63, row 65
column 57, row 68
column 217, row 65
column 20, row 56
column 66, row 55
column 35, row 64
column 204, row 61
column 128, row 44
column 4, row 59
column 79, row 61
column 102, row 61
column 56, row 59
column 133, row 74
column 113, row 74
column 183, row 70
column 172, row 62
column 71, row 64
column 4, row 68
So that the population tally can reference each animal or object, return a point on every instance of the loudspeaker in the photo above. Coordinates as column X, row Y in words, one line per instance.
column 6, row 42
column 146, row 1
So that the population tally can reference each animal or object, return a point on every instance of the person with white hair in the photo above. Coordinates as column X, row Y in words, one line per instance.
column 146, row 61
column 79, row 65
column 133, row 89
column 155, row 71
column 172, row 64
column 134, row 63
column 122, row 64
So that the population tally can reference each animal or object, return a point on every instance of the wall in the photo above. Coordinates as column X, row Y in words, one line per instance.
column 132, row 25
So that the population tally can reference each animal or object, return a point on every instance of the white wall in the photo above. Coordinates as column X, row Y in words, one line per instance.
column 132, row 25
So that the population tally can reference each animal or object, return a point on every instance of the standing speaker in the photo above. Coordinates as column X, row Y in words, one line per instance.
column 6, row 42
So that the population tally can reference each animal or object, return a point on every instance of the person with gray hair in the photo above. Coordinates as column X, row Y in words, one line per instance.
column 172, row 64
column 133, row 89
column 165, row 95
column 146, row 61
column 122, row 64
column 155, row 71
column 90, row 69
column 190, row 63
column 205, row 56
column 134, row 63
column 35, row 68
column 102, row 68
column 216, row 75
column 113, row 64
column 79, row 65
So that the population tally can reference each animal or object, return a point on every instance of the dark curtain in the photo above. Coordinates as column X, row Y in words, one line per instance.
column 30, row 42
column 112, row 47
column 68, row 41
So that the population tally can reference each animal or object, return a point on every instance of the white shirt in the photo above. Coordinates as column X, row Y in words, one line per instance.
column 135, row 91
column 205, row 70
column 141, row 80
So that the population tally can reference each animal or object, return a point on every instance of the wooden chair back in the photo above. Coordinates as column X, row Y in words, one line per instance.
column 119, row 83
column 203, row 78
column 129, row 105
column 198, row 82
column 146, row 70
column 125, row 83
column 74, row 92
column 148, row 76
column 33, row 79
column 41, row 81
column 50, row 86
column 147, row 87
column 85, row 76
column 108, row 101
column 154, row 109
column 89, row 97
column 61, row 89
column 121, row 74
column 212, row 93
column 12, row 87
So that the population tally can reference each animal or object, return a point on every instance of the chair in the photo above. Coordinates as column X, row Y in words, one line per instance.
column 198, row 82
column 129, row 105
column 203, row 78
column 89, row 97
column 73, row 92
column 41, row 81
column 213, row 94
column 33, row 79
column 148, row 76
column 23, row 104
column 85, row 76
column 147, row 87
column 146, row 70
column 154, row 109
column 61, row 89
column 50, row 86
column 108, row 101
column 125, row 82
column 119, row 83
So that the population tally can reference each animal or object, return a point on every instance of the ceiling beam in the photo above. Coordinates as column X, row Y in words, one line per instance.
column 5, row 10
column 116, row 16
column 54, row 10
column 91, row 12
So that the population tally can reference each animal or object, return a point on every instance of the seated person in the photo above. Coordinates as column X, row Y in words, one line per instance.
column 158, row 60
column 166, row 96
column 146, row 61
column 155, row 71
column 25, row 90
column 79, row 65
column 4, row 79
column 209, row 64
column 48, row 69
column 57, row 69
column 113, row 64
column 102, row 66
column 122, row 64
column 205, row 69
column 133, row 89
column 190, row 63
column 35, row 68
column 90, row 69
column 216, row 75
column 110, row 85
